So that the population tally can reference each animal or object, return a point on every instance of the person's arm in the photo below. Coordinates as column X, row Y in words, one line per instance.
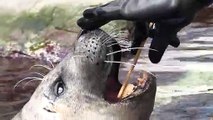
column 170, row 16
column 140, row 10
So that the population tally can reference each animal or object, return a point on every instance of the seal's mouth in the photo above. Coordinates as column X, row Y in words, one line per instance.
column 113, row 86
column 112, row 89
column 138, row 87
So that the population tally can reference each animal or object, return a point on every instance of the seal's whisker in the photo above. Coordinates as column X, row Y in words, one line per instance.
column 29, row 82
column 121, row 35
column 27, row 78
column 112, row 33
column 106, row 40
column 37, row 73
column 103, row 41
column 43, row 66
column 112, row 44
column 51, row 63
column 124, row 47
column 130, row 64
column 118, row 42
column 142, row 48
column 100, row 36
column 128, row 49
column 119, row 62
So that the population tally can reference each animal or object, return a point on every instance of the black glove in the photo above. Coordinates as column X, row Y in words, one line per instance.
column 170, row 16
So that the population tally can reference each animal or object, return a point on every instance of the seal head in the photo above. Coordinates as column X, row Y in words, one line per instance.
column 84, row 86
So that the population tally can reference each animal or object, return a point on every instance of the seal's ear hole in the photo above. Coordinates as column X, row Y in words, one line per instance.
column 59, row 87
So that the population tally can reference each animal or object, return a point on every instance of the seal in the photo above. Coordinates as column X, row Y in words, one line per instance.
column 84, row 87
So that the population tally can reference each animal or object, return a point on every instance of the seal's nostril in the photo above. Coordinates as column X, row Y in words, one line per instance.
column 88, row 50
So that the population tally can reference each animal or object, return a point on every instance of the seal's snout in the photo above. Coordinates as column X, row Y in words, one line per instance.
column 91, row 45
column 96, row 46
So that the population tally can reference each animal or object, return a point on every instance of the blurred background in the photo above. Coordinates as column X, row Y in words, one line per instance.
column 42, row 32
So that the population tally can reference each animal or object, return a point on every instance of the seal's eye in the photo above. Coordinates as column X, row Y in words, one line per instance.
column 59, row 88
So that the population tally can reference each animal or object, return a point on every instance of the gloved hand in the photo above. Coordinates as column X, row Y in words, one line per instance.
column 170, row 16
